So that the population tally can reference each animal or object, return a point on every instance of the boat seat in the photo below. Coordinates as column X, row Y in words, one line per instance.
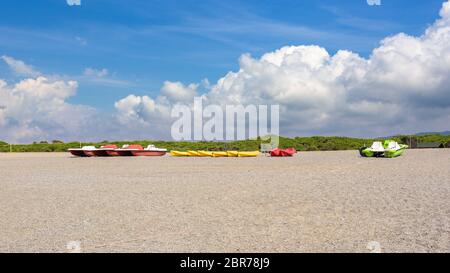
column 377, row 147
column 393, row 145
column 109, row 146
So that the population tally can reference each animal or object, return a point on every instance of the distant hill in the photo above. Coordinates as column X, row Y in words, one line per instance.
column 445, row 133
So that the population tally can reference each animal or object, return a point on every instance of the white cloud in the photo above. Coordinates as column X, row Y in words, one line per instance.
column 143, row 117
column 73, row 2
column 20, row 67
column 34, row 109
column 178, row 92
column 143, row 110
column 401, row 88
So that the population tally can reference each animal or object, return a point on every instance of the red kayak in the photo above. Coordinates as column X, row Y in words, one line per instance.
column 283, row 152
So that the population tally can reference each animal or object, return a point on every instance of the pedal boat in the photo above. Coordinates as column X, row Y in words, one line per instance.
column 104, row 150
column 151, row 150
column 393, row 149
column 127, row 150
column 82, row 152
column 388, row 148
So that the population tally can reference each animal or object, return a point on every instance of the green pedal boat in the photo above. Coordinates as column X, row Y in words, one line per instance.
column 388, row 148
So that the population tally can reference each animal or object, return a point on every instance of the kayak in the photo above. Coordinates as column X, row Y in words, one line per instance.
column 248, row 154
column 205, row 153
column 216, row 153
column 232, row 153
column 193, row 153
column 178, row 153
column 220, row 154
column 283, row 152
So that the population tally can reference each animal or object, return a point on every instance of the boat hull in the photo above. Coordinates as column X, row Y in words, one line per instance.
column 179, row 154
column 101, row 153
column 148, row 153
column 248, row 154
column 368, row 153
column 232, row 153
column 112, row 153
column 205, row 153
column 220, row 154
column 78, row 153
column 124, row 153
column 89, row 153
column 392, row 154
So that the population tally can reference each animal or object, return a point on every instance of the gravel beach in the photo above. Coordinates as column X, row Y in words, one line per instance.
column 314, row 202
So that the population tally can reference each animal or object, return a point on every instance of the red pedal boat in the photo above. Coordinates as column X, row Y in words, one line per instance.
column 104, row 150
column 151, row 150
column 127, row 150
column 86, row 151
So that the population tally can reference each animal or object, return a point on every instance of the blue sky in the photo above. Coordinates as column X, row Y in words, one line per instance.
column 335, row 67
column 144, row 43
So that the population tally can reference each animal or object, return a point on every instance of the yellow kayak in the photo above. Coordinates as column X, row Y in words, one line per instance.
column 248, row 154
column 232, row 153
column 178, row 153
column 216, row 154
column 193, row 153
column 220, row 154
column 205, row 153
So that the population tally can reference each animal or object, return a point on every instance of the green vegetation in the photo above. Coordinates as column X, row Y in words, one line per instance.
column 315, row 143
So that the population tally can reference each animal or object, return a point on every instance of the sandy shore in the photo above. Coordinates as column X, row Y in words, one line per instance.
column 315, row 202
